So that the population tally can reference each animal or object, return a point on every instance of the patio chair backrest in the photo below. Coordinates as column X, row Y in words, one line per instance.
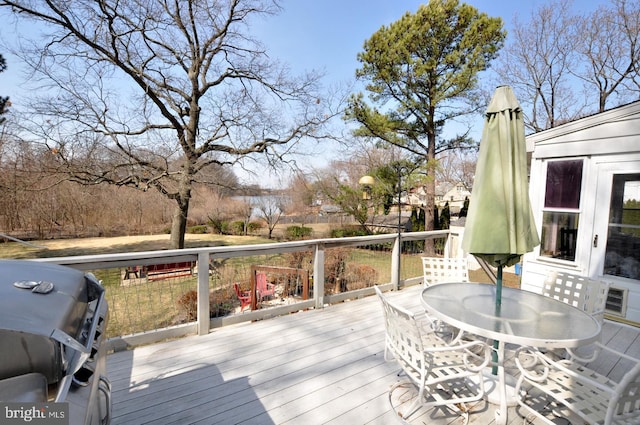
column 594, row 397
column 440, row 270
column 243, row 296
column 569, row 288
column 264, row 288
column 589, row 295
column 402, row 337
column 628, row 391
column 597, row 298
column 430, row 362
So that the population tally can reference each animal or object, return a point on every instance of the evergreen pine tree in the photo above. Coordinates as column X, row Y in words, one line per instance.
column 445, row 217
column 465, row 207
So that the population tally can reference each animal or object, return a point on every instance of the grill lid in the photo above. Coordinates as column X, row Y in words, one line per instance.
column 48, row 319
column 61, row 308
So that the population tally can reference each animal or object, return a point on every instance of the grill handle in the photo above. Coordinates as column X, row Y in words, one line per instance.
column 82, row 352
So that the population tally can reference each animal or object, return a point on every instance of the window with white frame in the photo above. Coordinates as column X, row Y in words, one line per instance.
column 561, row 212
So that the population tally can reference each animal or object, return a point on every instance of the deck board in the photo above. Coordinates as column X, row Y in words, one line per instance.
column 313, row 367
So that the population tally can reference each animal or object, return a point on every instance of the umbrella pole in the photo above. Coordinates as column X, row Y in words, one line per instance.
column 496, row 343
column 499, row 290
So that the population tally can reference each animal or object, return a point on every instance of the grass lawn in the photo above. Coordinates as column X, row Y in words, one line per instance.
column 92, row 246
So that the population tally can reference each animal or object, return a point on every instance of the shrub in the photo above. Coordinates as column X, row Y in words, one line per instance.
column 237, row 227
column 360, row 276
column 347, row 231
column 220, row 227
column 335, row 263
column 298, row 232
column 188, row 304
column 197, row 230
column 254, row 227
column 299, row 260
column 222, row 301
column 220, row 304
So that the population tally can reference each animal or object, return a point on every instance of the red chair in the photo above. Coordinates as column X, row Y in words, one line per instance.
column 243, row 296
column 264, row 288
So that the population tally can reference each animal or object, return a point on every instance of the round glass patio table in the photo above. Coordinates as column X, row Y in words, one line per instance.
column 524, row 318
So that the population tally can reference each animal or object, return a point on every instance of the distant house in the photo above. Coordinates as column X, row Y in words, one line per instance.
column 453, row 194
column 417, row 197
column 585, row 193
column 330, row 209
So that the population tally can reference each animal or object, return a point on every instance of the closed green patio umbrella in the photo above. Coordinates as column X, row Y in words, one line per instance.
column 500, row 226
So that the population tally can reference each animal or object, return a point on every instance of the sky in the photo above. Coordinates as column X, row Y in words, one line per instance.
column 325, row 35
column 329, row 34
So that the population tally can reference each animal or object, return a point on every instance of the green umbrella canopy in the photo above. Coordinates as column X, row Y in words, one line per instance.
column 500, row 225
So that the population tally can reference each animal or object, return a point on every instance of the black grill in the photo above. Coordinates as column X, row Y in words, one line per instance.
column 52, row 322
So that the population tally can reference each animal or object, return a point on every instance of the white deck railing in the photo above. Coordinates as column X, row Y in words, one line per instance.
column 204, row 256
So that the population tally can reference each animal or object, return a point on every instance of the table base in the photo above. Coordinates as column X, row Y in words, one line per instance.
column 493, row 393
column 492, row 390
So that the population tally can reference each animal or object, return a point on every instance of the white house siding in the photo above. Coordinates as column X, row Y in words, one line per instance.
column 608, row 143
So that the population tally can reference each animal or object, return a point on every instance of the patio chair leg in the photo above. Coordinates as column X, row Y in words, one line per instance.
column 413, row 407
column 420, row 401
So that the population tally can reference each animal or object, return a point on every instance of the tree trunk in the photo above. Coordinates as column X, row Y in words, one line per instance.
column 180, row 213
column 430, row 187
column 430, row 194
column 179, row 224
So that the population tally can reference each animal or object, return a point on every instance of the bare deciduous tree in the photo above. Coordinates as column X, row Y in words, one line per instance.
column 222, row 210
column 4, row 101
column 244, row 210
column 303, row 195
column 609, row 41
column 564, row 65
column 148, row 94
column 343, row 194
column 457, row 167
column 338, row 185
column 537, row 63
column 271, row 208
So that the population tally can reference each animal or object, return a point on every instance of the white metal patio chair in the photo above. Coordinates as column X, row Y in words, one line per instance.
column 569, row 384
column 589, row 295
column 436, row 270
column 441, row 372
column 439, row 270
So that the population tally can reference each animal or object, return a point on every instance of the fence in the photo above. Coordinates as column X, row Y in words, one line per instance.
column 155, row 295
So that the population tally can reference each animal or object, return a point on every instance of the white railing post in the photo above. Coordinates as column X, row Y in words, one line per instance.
column 203, row 293
column 318, row 275
column 395, row 263
column 453, row 245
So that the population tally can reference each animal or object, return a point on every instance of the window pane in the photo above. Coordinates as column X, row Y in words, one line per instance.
column 559, row 234
column 564, row 180
column 623, row 241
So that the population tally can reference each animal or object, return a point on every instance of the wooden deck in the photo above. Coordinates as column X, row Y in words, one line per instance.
column 313, row 367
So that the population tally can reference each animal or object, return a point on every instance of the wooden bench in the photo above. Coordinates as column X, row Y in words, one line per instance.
column 167, row 270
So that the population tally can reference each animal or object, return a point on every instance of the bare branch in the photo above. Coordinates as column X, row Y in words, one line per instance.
column 160, row 91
